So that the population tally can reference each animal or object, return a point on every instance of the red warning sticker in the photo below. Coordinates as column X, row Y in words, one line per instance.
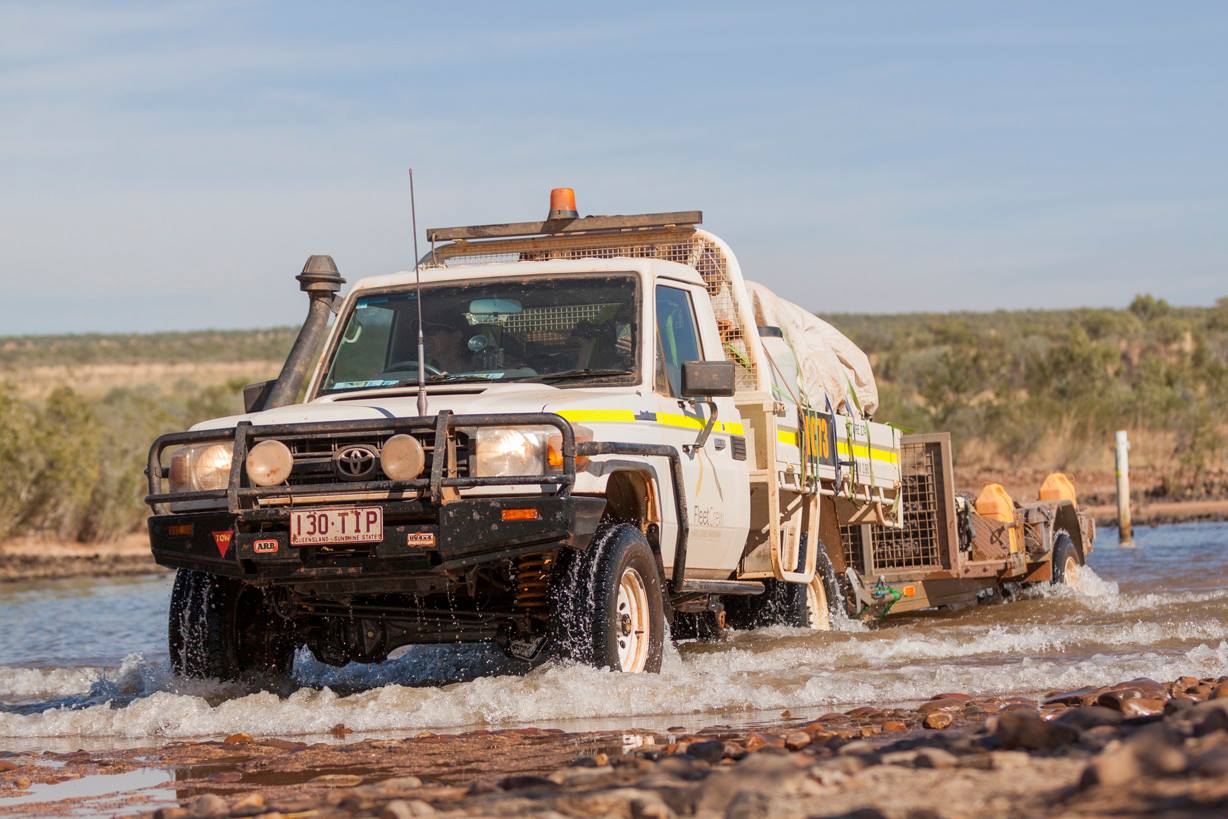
column 223, row 540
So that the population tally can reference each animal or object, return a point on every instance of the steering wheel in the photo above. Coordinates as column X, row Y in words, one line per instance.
column 412, row 365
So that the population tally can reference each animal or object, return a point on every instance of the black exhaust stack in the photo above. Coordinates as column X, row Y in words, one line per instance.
column 321, row 282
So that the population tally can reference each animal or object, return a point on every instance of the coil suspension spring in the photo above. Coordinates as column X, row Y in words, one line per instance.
column 533, row 580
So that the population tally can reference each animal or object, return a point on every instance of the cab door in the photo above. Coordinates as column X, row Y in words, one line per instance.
column 718, row 502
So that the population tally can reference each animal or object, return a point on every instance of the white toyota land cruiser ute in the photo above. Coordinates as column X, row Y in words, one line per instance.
column 608, row 446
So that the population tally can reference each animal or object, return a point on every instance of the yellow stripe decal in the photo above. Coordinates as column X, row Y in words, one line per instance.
column 788, row 437
column 669, row 419
column 599, row 416
column 863, row 452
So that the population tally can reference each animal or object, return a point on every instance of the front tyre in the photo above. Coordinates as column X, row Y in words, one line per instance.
column 221, row 628
column 609, row 606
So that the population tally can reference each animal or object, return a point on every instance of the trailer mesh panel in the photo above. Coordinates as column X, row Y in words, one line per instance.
column 851, row 540
column 918, row 544
column 685, row 247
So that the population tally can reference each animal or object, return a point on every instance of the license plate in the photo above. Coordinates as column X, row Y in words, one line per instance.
column 363, row 524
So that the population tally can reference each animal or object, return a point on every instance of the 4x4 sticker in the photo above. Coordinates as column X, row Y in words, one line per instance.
column 222, row 540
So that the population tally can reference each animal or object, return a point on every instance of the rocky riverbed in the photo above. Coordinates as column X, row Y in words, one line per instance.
column 1139, row 747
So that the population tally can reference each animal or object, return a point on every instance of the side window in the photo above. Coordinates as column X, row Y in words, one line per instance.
column 677, row 340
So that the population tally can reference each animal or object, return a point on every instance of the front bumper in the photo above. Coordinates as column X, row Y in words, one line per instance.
column 420, row 539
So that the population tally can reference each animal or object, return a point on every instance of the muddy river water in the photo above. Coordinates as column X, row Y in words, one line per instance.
column 83, row 662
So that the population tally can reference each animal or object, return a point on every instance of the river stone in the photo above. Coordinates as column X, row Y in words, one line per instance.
column 1208, row 717
column 769, row 775
column 1023, row 728
column 208, row 805
column 647, row 805
column 1156, row 750
column 1116, row 767
column 935, row 758
column 406, row 809
column 1141, row 707
column 1077, row 696
column 1090, row 716
column 1212, row 762
column 521, row 782
column 711, row 751
column 937, row 720
column 796, row 740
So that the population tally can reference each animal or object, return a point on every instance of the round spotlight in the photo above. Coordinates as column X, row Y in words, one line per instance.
column 402, row 458
column 269, row 463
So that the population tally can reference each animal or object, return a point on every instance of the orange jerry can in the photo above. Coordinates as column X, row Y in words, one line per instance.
column 1058, row 487
column 995, row 503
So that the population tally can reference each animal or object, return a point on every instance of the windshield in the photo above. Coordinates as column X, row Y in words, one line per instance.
column 572, row 329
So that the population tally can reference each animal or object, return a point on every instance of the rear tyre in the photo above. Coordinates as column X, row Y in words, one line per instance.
column 221, row 628
column 1067, row 560
column 798, row 605
column 609, row 606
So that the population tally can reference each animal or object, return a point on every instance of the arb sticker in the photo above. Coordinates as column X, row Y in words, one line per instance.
column 222, row 540
column 420, row 540
column 265, row 546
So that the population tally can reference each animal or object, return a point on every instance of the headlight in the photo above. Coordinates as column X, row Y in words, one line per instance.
column 506, row 451
column 200, row 467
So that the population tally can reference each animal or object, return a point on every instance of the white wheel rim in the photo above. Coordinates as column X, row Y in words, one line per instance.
column 1070, row 573
column 632, row 622
column 818, row 617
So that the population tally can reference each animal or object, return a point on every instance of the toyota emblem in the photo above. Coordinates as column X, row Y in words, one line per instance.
column 354, row 463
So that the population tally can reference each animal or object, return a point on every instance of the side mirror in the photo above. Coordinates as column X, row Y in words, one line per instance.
column 254, row 395
column 708, row 379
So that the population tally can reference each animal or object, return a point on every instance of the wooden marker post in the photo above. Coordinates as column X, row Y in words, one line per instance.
column 1125, row 534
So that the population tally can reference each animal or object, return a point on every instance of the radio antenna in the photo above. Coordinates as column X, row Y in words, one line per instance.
column 413, row 215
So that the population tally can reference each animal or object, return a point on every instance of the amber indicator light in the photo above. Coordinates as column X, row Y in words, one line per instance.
column 520, row 514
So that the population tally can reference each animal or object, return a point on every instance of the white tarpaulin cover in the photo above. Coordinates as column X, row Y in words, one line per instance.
column 827, row 361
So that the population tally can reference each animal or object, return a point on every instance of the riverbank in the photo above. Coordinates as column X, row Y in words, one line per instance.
column 1131, row 748
column 32, row 558
column 35, row 558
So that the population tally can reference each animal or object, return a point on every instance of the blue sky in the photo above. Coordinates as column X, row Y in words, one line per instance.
column 171, row 165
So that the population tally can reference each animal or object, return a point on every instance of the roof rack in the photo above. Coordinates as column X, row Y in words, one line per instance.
column 554, row 227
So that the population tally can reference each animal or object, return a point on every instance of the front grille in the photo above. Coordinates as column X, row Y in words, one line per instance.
column 315, row 464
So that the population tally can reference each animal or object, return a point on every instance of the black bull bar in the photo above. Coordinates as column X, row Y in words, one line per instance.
column 243, row 499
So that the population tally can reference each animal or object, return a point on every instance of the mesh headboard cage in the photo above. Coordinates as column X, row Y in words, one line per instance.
column 698, row 249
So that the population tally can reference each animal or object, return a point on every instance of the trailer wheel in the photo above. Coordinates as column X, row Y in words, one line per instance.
column 221, row 628
column 609, row 605
column 1066, row 561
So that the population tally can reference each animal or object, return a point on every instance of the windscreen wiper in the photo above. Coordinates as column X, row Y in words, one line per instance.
column 568, row 374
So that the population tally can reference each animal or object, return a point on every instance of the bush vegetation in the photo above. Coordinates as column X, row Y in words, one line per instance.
column 1042, row 389
column 1049, row 388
